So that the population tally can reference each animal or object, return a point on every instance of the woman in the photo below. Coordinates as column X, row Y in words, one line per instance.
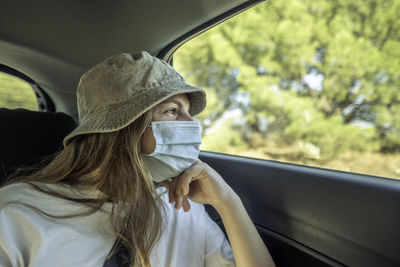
column 102, row 193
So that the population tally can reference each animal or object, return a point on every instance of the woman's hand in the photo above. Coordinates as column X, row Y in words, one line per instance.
column 202, row 184
column 199, row 183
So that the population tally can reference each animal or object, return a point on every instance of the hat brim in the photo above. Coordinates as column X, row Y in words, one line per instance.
column 117, row 116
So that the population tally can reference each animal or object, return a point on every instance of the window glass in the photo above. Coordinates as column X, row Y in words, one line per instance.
column 310, row 82
column 16, row 93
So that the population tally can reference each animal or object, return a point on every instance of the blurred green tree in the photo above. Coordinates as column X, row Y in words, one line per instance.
column 323, row 72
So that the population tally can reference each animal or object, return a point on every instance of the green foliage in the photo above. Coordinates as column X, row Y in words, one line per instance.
column 16, row 93
column 224, row 138
column 275, row 51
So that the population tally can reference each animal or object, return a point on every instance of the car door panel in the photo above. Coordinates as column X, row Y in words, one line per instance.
column 344, row 218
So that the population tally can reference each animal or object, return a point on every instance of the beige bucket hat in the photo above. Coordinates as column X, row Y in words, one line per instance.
column 115, row 92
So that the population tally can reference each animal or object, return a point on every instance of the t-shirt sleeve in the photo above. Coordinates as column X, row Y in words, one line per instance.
column 218, row 250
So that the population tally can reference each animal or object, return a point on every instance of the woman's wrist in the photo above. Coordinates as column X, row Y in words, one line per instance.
column 230, row 201
column 247, row 245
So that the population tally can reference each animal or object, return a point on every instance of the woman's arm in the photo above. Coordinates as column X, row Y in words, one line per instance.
column 247, row 245
column 202, row 184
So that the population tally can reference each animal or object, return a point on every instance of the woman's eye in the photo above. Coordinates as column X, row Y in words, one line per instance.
column 171, row 111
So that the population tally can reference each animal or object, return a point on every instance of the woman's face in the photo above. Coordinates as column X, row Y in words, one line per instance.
column 175, row 108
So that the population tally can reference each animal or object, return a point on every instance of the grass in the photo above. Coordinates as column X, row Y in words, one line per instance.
column 370, row 163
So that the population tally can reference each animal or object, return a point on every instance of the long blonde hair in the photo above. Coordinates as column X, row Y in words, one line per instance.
column 112, row 163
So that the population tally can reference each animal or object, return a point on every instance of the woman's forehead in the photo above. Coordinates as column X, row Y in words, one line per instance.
column 180, row 99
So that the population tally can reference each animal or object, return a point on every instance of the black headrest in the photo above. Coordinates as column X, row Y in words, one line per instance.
column 27, row 136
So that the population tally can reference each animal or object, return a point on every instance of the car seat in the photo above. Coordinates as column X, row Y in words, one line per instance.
column 27, row 136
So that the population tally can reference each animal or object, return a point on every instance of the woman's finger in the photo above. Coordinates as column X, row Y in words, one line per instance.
column 185, row 204
column 182, row 188
column 184, row 180
column 178, row 193
column 171, row 191
column 166, row 184
column 190, row 175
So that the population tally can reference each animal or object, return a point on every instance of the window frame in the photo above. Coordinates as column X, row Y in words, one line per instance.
column 44, row 101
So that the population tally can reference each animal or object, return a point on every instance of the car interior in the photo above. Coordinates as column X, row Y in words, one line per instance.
column 307, row 216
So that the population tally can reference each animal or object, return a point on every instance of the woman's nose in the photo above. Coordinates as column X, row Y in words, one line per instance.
column 185, row 116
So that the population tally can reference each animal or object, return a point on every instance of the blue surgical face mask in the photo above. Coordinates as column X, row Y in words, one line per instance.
column 177, row 148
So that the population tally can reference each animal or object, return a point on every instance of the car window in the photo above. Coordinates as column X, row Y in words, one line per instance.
column 16, row 93
column 307, row 82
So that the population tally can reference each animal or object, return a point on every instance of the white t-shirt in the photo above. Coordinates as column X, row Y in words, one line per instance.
column 29, row 238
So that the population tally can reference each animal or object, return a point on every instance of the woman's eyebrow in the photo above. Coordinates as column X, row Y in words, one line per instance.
column 173, row 101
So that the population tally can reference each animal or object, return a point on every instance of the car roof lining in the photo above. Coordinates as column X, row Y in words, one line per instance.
column 48, row 41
